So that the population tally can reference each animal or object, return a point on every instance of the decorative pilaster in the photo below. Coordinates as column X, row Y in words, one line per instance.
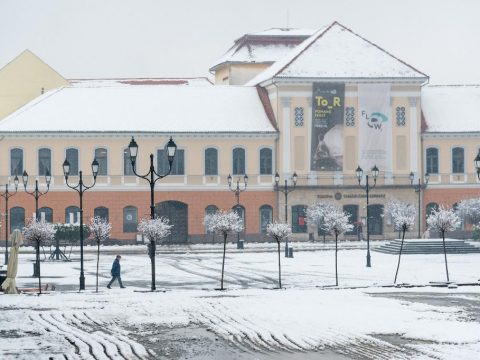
column 413, row 123
column 286, row 123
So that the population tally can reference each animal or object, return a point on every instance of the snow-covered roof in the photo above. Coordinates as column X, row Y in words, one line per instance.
column 197, row 81
column 451, row 108
column 264, row 47
column 148, row 108
column 337, row 52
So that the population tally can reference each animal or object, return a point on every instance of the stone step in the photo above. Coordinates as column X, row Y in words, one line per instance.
column 433, row 246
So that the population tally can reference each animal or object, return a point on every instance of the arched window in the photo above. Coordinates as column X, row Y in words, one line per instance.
column 238, row 165
column 44, row 161
column 101, row 212
column 210, row 209
column 458, row 160
column 16, row 162
column 71, row 154
column 432, row 161
column 265, row 161
column 240, row 210
column 130, row 219
column 101, row 154
column 266, row 215
column 17, row 218
column 211, row 161
column 352, row 210
column 127, row 164
column 430, row 208
column 178, row 164
column 460, row 226
column 299, row 219
column 46, row 213
column 72, row 215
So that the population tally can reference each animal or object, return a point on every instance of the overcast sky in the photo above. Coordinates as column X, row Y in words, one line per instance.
column 147, row 38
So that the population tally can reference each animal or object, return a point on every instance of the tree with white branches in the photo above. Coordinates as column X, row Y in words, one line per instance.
column 207, row 220
column 223, row 222
column 336, row 220
column 39, row 232
column 99, row 231
column 443, row 220
column 279, row 231
column 316, row 212
column 469, row 209
column 403, row 216
column 154, row 230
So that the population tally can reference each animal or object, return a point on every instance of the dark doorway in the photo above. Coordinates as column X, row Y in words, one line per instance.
column 352, row 210
column 375, row 222
column 177, row 213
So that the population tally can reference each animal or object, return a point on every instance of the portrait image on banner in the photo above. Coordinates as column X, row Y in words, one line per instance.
column 327, row 127
column 375, row 133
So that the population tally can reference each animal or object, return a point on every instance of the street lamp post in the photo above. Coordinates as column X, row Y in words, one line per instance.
column 286, row 190
column 476, row 161
column 7, row 195
column 367, row 187
column 237, row 192
column 152, row 177
column 80, row 188
column 36, row 193
column 418, row 189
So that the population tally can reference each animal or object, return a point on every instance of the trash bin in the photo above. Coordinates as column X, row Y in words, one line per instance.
column 240, row 244
column 290, row 252
column 35, row 270
column 3, row 276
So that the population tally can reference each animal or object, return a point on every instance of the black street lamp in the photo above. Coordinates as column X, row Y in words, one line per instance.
column 476, row 161
column 36, row 193
column 152, row 177
column 286, row 190
column 367, row 187
column 237, row 192
column 418, row 189
column 80, row 188
column 7, row 195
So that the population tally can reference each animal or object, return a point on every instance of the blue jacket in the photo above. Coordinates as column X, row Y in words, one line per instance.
column 116, row 268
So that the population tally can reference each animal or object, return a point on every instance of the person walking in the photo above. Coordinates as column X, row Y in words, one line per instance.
column 116, row 273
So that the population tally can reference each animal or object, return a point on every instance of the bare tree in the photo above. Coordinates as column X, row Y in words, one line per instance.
column 99, row 231
column 279, row 231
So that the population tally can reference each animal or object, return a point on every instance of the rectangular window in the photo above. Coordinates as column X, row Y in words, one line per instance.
column 16, row 162
column 44, row 162
column 101, row 155
column 127, row 164
column 178, row 164
column 458, row 160
column 72, row 158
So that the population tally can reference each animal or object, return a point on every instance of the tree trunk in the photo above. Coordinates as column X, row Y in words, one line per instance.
column 336, row 264
column 399, row 256
column 37, row 260
column 98, row 259
column 152, row 261
column 445, row 254
column 223, row 262
column 279, row 267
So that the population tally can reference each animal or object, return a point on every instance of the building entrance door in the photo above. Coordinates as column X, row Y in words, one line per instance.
column 177, row 213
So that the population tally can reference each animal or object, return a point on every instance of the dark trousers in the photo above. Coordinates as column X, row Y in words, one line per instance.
column 115, row 278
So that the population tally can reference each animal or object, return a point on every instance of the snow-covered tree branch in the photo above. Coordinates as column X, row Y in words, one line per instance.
column 336, row 220
column 469, row 209
column 317, row 211
column 39, row 231
column 279, row 230
column 99, row 229
column 403, row 214
column 443, row 220
column 155, row 229
column 224, row 222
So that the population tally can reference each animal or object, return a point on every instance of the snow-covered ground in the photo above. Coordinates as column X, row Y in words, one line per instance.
column 307, row 318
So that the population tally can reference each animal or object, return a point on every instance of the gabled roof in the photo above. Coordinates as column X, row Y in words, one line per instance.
column 451, row 108
column 336, row 52
column 263, row 47
column 196, row 81
column 143, row 108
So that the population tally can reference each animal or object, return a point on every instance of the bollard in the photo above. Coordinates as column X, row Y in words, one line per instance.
column 240, row 244
column 35, row 270
column 290, row 252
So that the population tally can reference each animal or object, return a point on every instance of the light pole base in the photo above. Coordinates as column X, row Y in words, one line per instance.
column 369, row 264
column 82, row 282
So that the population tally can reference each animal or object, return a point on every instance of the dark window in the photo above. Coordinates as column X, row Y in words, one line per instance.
column 211, row 161
column 299, row 219
column 430, row 208
column 101, row 155
column 266, row 215
column 130, row 219
column 238, row 161
column 101, row 212
column 240, row 210
column 72, row 157
column 375, row 221
column 16, row 162
column 265, row 161
column 352, row 210
column 17, row 218
column 127, row 164
column 210, row 209
column 178, row 164
column 72, row 215
column 432, row 161
column 46, row 213
column 44, row 161
column 458, row 160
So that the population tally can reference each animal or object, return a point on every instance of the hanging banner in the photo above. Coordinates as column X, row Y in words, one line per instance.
column 375, row 133
column 327, row 127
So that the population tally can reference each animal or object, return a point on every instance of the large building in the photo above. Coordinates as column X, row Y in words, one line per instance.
column 315, row 103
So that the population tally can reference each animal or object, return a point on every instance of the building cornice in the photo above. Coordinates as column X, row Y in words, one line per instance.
column 452, row 135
